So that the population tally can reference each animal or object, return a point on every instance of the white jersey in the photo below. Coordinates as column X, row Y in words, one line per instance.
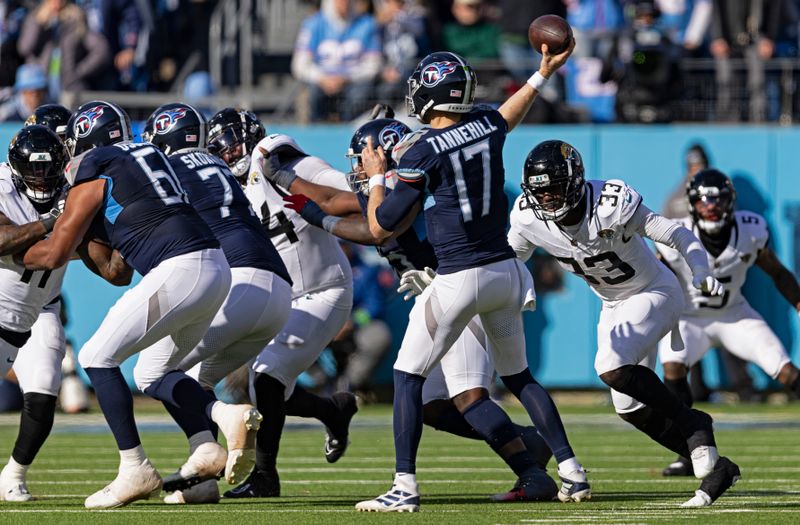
column 614, row 261
column 312, row 256
column 23, row 292
column 749, row 236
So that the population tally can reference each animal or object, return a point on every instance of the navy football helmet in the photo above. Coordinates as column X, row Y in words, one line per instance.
column 54, row 116
column 95, row 124
column 233, row 134
column 175, row 127
column 442, row 81
column 553, row 179
column 37, row 158
column 385, row 132
column 711, row 198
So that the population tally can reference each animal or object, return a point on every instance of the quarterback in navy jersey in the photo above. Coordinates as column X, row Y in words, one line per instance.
column 454, row 169
column 257, row 304
column 467, row 372
column 133, row 201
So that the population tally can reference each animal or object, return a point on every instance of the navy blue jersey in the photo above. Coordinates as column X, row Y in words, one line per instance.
column 145, row 213
column 409, row 250
column 460, row 170
column 219, row 199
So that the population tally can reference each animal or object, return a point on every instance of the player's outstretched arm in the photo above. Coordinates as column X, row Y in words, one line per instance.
column 105, row 262
column 354, row 229
column 517, row 106
column 785, row 281
column 82, row 204
column 333, row 201
column 14, row 238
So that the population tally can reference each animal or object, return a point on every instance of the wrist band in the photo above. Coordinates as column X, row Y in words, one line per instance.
column 377, row 180
column 49, row 221
column 329, row 222
column 537, row 81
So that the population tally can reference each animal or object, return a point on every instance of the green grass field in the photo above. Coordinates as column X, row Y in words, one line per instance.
column 455, row 475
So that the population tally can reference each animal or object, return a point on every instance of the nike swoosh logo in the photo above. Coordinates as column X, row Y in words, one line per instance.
column 9, row 360
column 626, row 240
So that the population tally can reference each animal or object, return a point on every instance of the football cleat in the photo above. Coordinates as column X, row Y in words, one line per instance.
column 131, row 484
column 702, row 446
column 536, row 487
column 573, row 489
column 396, row 500
column 239, row 424
column 725, row 475
column 258, row 484
column 336, row 439
column 679, row 467
column 207, row 462
column 16, row 491
column 205, row 492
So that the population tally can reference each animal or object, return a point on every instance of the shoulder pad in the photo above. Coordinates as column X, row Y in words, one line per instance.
column 406, row 142
column 616, row 204
column 71, row 171
column 753, row 225
column 276, row 140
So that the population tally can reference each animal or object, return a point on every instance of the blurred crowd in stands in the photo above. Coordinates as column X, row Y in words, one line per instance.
column 636, row 60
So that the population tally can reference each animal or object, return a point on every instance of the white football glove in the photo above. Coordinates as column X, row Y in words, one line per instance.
column 271, row 168
column 415, row 281
column 707, row 283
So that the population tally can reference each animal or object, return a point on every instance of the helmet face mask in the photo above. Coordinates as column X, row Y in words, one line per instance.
column 711, row 198
column 233, row 135
column 553, row 180
column 37, row 159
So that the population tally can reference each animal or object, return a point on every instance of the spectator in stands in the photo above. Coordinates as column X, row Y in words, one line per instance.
column 121, row 23
column 12, row 14
column 743, row 29
column 405, row 42
column 686, row 21
column 645, row 64
column 30, row 92
column 338, row 56
column 471, row 35
column 595, row 24
column 56, row 36
column 197, row 89
column 696, row 160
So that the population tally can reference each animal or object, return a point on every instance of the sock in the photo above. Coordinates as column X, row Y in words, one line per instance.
column 190, row 422
column 132, row 457
column 182, row 391
column 407, row 420
column 643, row 385
column 542, row 411
column 406, row 481
column 35, row 423
column 450, row 420
column 270, row 402
column 212, row 425
column 15, row 471
column 496, row 427
column 116, row 402
column 303, row 403
column 198, row 439
column 535, row 444
column 680, row 388
column 569, row 466
column 659, row 428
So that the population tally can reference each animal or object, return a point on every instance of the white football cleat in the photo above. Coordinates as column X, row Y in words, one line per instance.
column 205, row 492
column 239, row 424
column 207, row 462
column 704, row 459
column 700, row 499
column 16, row 491
column 131, row 484
column 396, row 500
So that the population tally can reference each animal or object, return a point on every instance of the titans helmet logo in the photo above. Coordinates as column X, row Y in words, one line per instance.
column 166, row 120
column 85, row 121
column 390, row 136
column 436, row 72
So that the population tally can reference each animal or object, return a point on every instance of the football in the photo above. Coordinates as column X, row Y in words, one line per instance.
column 551, row 30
